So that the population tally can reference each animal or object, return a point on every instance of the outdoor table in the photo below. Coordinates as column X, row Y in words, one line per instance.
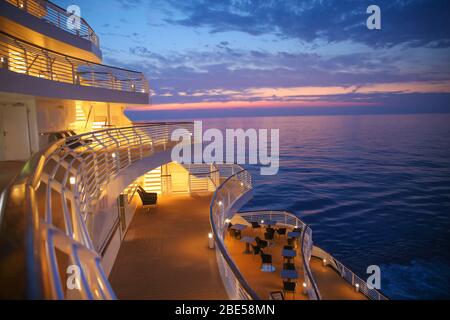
column 294, row 235
column 289, row 274
column 239, row 227
column 248, row 241
column 289, row 254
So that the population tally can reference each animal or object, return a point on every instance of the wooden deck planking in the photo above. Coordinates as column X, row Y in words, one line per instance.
column 165, row 254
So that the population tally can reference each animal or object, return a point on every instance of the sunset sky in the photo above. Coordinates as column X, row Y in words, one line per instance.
column 214, row 55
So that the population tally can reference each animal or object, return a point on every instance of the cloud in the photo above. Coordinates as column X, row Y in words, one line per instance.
column 409, row 22
column 130, row 4
column 227, row 73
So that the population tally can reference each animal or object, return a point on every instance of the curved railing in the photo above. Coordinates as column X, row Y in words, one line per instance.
column 307, row 246
column 49, row 210
column 290, row 220
column 221, row 209
column 348, row 275
column 56, row 16
column 25, row 58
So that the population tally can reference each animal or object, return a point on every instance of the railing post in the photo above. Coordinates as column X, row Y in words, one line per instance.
column 112, row 81
column 92, row 76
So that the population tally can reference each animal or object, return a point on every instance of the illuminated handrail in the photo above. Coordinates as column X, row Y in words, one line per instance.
column 202, row 177
column 56, row 16
column 348, row 275
column 55, row 199
column 220, row 210
column 25, row 58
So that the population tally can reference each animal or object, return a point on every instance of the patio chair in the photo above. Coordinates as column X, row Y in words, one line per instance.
column 148, row 199
column 289, row 287
column 281, row 231
column 269, row 237
column 256, row 250
column 266, row 262
column 261, row 243
column 255, row 225
column 289, row 266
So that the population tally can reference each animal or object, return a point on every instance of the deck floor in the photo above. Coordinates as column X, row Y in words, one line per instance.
column 165, row 254
column 8, row 171
column 330, row 284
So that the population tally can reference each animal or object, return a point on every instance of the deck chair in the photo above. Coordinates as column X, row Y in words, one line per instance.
column 149, row 200
column 289, row 287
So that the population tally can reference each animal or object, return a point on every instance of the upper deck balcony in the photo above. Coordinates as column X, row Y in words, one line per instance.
column 45, row 24
column 32, row 70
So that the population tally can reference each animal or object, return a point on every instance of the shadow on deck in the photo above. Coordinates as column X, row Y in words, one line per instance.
column 165, row 254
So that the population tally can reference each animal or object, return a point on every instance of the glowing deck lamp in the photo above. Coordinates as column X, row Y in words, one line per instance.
column 220, row 203
column 227, row 221
column 305, row 287
column 262, row 221
column 357, row 287
column 324, row 262
column 113, row 155
column 72, row 180
column 211, row 240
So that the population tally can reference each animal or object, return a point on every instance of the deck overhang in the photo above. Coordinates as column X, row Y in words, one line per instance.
column 13, row 82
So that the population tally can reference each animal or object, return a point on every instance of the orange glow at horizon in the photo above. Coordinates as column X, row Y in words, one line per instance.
column 307, row 96
column 247, row 104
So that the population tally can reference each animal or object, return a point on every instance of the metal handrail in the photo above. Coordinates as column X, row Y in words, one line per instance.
column 57, row 16
column 23, row 57
column 50, row 208
column 348, row 275
column 222, row 201
column 311, row 284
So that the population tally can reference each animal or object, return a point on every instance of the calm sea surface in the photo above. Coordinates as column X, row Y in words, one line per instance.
column 375, row 189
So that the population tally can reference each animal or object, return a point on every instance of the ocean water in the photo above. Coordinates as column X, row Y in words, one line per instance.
column 375, row 189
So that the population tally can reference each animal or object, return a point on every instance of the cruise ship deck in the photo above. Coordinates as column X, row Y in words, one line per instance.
column 331, row 285
column 165, row 255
